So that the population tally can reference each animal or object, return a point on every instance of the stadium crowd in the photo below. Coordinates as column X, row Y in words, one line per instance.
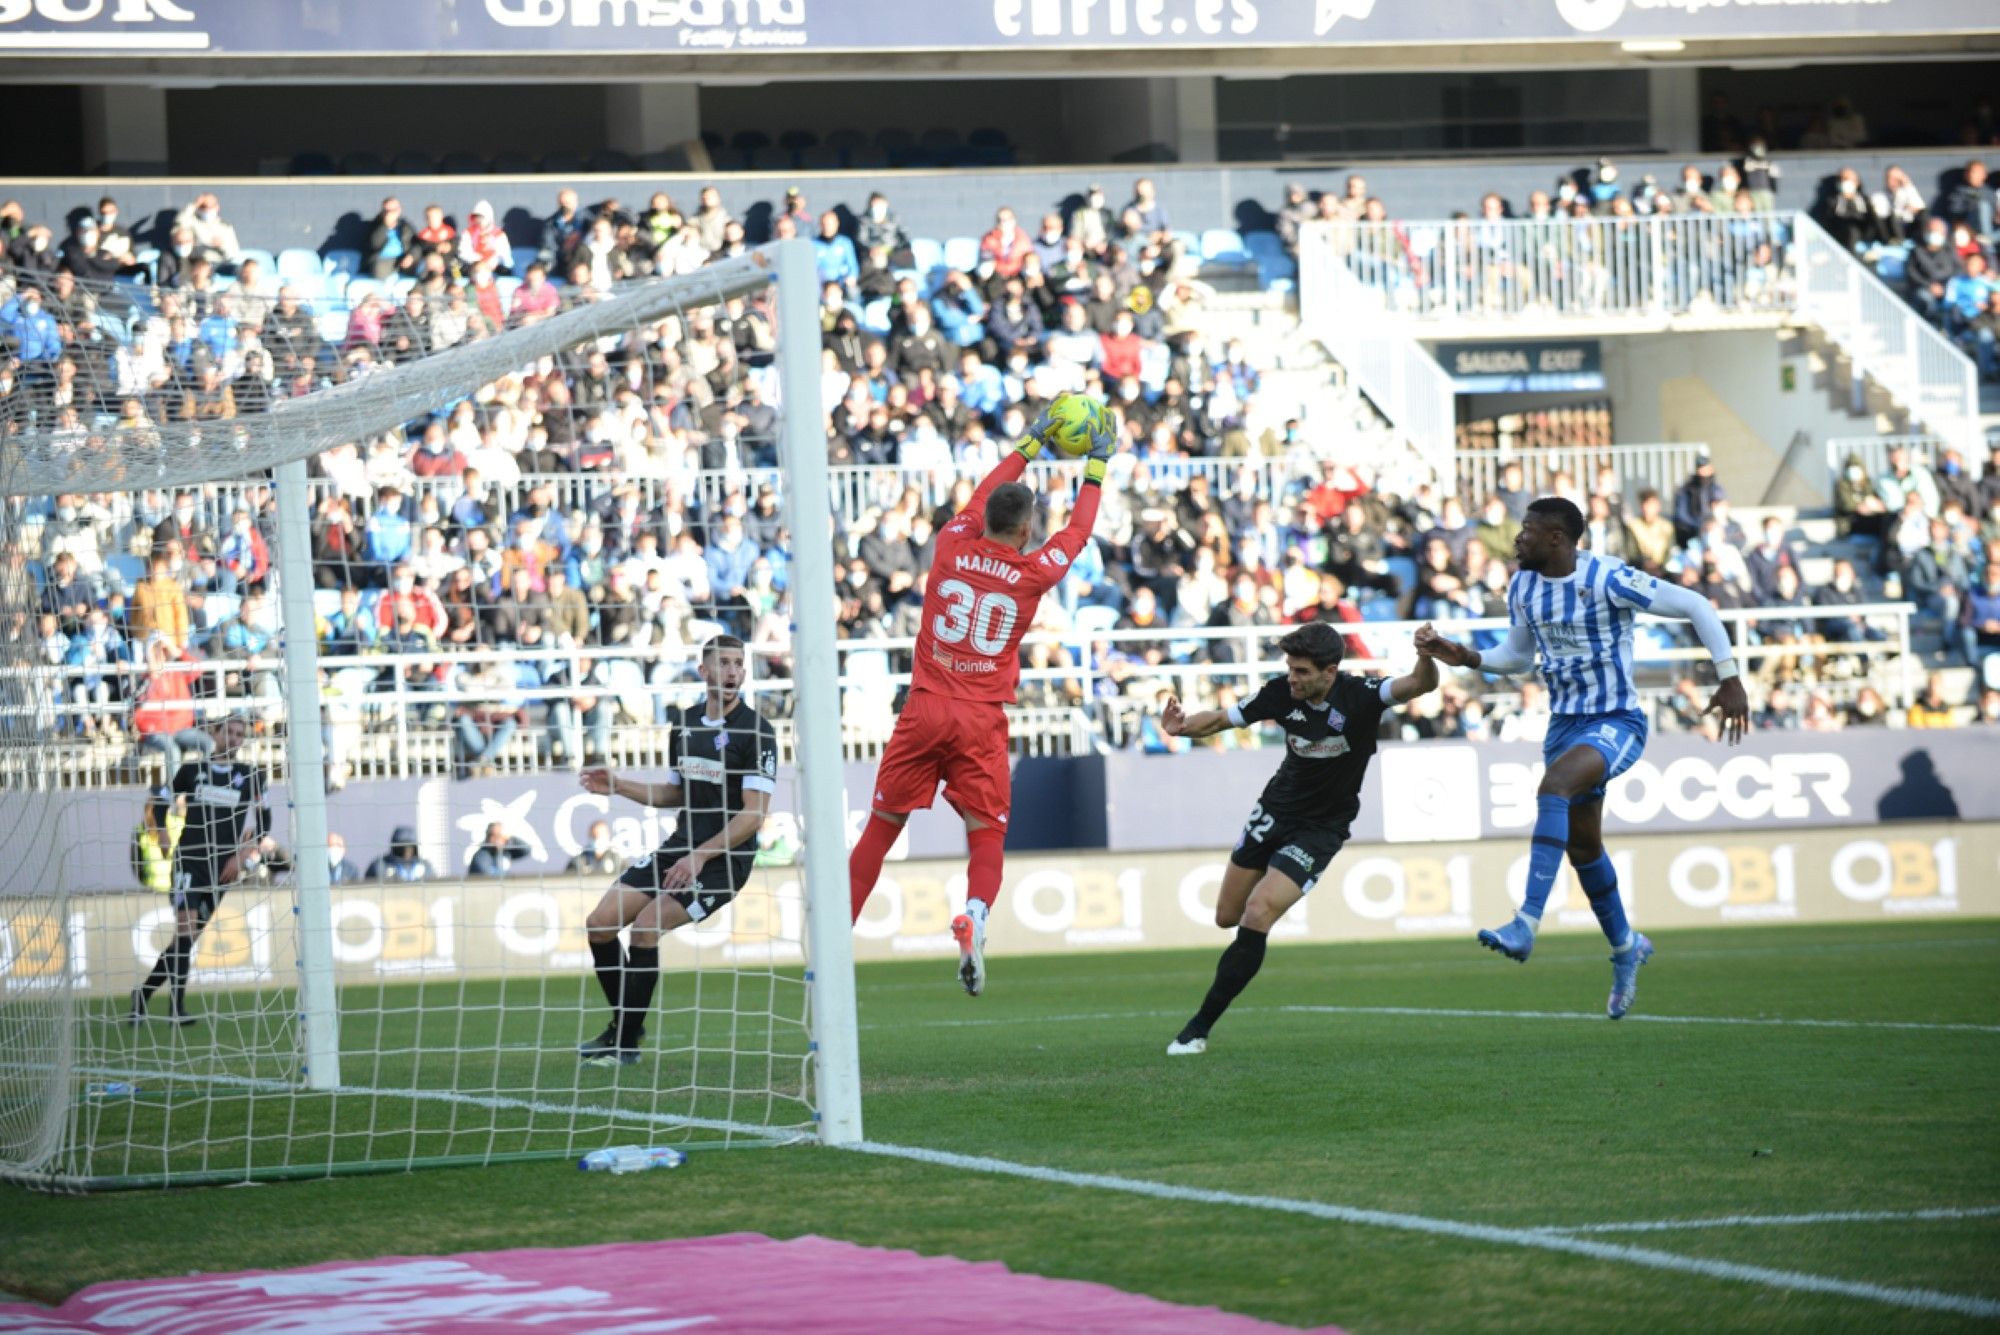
column 623, row 500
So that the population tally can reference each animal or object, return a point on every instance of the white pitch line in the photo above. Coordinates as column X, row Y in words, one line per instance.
column 1443, row 1012
column 1929, row 1300
column 1452, row 1012
column 1779, row 1220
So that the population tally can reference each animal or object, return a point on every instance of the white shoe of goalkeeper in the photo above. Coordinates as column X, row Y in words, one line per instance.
column 969, row 930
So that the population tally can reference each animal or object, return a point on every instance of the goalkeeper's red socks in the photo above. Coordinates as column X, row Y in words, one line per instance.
column 986, row 851
column 864, row 864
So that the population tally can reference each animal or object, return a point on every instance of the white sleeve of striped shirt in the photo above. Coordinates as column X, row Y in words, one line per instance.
column 1515, row 654
column 1671, row 600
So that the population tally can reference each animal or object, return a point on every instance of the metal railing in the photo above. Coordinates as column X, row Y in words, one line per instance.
column 857, row 490
column 1889, row 341
column 1403, row 380
column 382, row 725
column 1650, row 268
column 1662, row 467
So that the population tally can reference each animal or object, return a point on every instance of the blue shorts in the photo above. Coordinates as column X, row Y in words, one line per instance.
column 1620, row 737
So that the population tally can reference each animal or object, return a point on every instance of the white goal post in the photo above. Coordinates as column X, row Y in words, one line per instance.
column 424, row 1061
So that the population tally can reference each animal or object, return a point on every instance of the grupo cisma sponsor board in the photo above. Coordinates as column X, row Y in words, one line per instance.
column 1047, row 905
column 472, row 27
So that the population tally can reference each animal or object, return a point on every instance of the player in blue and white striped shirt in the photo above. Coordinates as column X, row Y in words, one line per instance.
column 1572, row 612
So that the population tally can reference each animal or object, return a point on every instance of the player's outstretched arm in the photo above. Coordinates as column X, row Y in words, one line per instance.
column 1421, row 679
column 607, row 783
column 1176, row 722
column 1730, row 699
column 1515, row 654
column 1008, row 469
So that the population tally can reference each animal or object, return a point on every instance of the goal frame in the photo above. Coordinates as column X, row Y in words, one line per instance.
column 284, row 443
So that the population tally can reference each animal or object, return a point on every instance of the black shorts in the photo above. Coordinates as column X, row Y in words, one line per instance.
column 719, row 882
column 1302, row 850
column 194, row 893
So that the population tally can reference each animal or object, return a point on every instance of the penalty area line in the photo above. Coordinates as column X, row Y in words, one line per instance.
column 1928, row 1300
column 1780, row 1220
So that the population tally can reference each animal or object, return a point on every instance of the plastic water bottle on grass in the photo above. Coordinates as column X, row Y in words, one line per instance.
column 631, row 1159
column 115, row 1089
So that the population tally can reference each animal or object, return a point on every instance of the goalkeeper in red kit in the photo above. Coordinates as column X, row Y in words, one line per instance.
column 984, row 588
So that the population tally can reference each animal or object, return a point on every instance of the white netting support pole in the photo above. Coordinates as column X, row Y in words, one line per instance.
column 816, row 722
column 319, row 1012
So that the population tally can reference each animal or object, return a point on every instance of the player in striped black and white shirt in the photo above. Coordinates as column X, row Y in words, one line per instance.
column 1572, row 612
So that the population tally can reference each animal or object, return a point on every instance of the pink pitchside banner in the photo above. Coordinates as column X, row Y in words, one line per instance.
column 733, row 1282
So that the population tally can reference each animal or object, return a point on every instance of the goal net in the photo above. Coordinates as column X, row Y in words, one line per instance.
column 406, row 572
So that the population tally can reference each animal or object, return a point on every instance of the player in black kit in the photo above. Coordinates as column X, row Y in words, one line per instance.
column 223, row 802
column 1330, row 720
column 724, row 768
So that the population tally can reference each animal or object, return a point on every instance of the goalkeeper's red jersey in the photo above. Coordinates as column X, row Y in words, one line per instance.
column 982, row 596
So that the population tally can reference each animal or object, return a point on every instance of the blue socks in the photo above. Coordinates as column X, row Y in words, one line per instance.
column 1600, row 885
column 1546, row 856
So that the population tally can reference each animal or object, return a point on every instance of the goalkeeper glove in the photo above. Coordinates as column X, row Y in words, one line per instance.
column 1031, row 444
column 1101, row 442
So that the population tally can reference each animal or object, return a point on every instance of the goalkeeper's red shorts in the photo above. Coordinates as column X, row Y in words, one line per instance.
column 962, row 743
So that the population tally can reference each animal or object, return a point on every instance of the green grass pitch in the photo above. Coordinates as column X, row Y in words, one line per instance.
column 1516, row 1122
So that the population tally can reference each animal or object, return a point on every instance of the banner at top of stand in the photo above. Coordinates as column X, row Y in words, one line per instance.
column 529, row 27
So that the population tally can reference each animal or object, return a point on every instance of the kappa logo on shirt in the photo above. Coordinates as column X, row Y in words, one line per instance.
column 1296, row 716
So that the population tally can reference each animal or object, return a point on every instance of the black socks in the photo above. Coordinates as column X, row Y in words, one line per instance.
column 1233, row 972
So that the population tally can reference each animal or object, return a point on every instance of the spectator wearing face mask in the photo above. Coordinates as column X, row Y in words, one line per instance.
column 1847, row 215
column 1929, row 269
column 214, row 239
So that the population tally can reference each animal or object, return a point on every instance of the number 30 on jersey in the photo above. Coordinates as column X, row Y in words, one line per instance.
column 986, row 619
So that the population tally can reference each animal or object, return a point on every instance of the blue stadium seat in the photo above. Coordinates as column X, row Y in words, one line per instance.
column 413, row 162
column 929, row 254
column 1223, row 245
column 126, row 569
column 846, row 143
column 363, row 164
column 265, row 259
column 311, row 163
column 867, row 158
column 562, row 162
column 1263, row 244
column 767, row 159
column 611, row 160
column 940, row 143
column 462, row 162
column 332, row 326
column 360, row 289
column 1405, row 571
column 506, row 288
column 820, row 158
column 875, row 316
column 299, row 265
column 796, row 142
column 138, row 291
column 962, row 252
column 512, row 162
column 344, row 263
column 1276, row 272
column 897, row 142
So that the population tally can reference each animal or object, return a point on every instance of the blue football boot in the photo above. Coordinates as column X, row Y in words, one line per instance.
column 1514, row 940
column 1625, row 975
